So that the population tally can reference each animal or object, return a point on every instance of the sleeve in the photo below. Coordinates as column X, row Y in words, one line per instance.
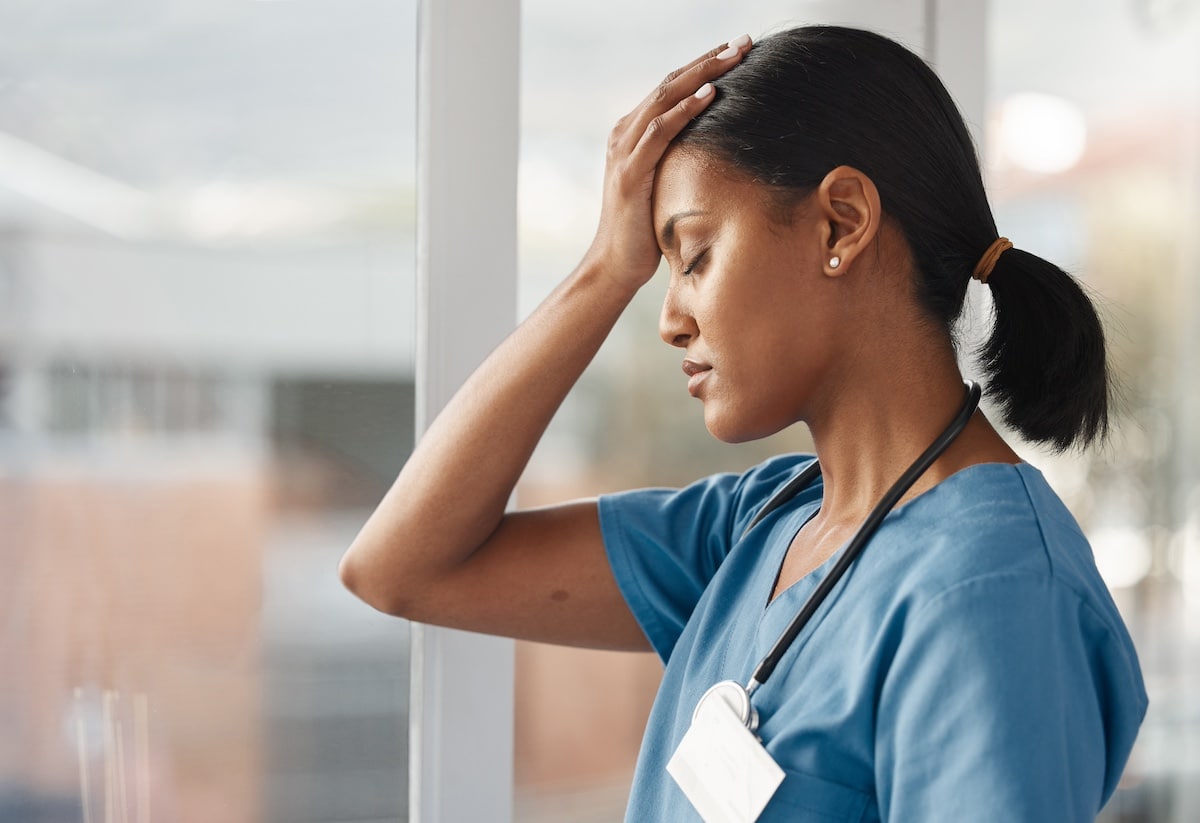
column 1007, row 699
column 665, row 545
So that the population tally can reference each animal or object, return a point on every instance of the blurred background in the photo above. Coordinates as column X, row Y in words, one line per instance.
column 206, row 331
column 206, row 379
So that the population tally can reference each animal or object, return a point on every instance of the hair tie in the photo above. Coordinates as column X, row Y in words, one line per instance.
column 983, row 269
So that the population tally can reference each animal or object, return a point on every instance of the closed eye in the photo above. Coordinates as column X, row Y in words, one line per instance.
column 696, row 261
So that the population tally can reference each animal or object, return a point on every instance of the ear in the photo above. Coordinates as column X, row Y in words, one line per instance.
column 848, row 203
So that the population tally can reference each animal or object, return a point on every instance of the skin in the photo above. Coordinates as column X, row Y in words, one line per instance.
column 787, row 337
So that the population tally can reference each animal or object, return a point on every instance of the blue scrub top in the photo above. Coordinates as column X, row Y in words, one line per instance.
column 970, row 665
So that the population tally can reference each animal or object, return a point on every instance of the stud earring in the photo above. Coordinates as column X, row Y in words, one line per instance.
column 834, row 262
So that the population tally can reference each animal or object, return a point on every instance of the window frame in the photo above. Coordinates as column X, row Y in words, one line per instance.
column 460, row 714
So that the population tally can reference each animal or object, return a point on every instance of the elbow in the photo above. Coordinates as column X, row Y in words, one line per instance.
column 350, row 574
column 369, row 585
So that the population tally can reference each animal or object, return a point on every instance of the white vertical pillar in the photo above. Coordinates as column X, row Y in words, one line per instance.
column 956, row 46
column 462, row 693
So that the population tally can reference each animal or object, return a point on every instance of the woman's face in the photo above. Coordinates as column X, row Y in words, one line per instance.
column 748, row 301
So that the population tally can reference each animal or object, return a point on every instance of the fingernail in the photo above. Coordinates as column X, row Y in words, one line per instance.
column 704, row 91
column 730, row 52
column 740, row 42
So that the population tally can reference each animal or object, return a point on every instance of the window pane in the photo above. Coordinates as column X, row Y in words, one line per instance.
column 206, row 298
column 1094, row 162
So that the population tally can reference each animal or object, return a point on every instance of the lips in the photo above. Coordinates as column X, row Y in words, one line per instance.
column 696, row 373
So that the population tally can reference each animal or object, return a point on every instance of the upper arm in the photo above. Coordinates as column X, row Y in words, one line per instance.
column 991, row 709
column 542, row 575
column 551, row 574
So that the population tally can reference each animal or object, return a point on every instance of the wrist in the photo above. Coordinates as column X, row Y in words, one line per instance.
column 609, row 281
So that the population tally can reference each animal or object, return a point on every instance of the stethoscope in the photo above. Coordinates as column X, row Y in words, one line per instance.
column 733, row 693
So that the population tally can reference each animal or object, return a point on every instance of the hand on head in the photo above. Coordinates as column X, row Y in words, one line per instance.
column 625, row 243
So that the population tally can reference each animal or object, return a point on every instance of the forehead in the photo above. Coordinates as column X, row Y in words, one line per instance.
column 690, row 181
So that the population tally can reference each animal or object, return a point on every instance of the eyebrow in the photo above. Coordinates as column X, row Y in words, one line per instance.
column 668, row 229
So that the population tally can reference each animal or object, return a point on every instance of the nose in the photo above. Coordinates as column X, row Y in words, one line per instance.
column 676, row 325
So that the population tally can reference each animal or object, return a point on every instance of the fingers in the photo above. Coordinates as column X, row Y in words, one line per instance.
column 660, row 131
column 686, row 80
column 680, row 84
column 625, row 240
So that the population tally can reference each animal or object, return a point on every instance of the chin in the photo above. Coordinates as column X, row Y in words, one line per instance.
column 730, row 428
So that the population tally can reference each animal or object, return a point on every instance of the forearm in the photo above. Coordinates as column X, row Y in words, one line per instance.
column 451, row 495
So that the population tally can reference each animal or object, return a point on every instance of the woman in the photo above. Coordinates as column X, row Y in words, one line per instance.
column 819, row 203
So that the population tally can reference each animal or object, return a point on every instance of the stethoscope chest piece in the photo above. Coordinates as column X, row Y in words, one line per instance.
column 733, row 695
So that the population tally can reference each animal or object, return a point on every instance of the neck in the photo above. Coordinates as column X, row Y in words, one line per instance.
column 873, row 427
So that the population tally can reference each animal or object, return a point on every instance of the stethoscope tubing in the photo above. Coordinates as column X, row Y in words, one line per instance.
column 864, row 533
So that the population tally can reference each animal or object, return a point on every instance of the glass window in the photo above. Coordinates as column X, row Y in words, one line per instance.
column 206, row 384
column 1094, row 162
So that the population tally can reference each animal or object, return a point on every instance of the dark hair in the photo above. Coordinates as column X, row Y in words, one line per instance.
column 807, row 100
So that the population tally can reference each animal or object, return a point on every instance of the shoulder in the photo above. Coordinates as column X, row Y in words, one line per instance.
column 994, row 519
column 997, row 538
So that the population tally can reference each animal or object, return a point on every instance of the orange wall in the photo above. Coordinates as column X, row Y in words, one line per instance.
column 141, row 588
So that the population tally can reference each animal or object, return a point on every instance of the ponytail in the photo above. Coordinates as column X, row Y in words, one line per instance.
column 1045, row 358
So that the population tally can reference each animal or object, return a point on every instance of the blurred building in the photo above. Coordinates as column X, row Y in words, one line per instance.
column 206, row 326
column 172, row 415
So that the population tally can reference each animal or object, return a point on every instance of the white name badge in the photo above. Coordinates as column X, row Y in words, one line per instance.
column 722, row 768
